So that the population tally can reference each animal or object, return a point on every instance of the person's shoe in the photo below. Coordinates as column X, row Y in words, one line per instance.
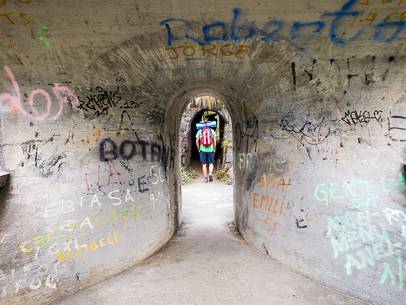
column 210, row 178
column 206, row 180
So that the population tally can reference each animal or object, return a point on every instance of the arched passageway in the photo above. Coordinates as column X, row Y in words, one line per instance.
column 208, row 257
column 208, row 261
column 174, row 118
column 206, row 202
column 90, row 114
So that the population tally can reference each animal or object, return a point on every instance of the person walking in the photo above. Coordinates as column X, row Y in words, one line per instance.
column 206, row 145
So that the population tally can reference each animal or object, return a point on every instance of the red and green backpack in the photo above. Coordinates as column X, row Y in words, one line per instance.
column 206, row 137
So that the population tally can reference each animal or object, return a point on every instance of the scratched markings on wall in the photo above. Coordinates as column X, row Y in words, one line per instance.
column 33, row 276
column 236, row 51
column 369, row 15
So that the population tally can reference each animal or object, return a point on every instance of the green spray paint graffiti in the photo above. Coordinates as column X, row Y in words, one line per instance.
column 358, row 193
column 403, row 182
column 40, row 34
column 373, row 240
column 387, row 272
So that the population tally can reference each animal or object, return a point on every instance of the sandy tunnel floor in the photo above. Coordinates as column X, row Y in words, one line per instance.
column 207, row 264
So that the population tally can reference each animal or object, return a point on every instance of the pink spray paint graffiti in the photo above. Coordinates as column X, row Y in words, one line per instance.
column 13, row 103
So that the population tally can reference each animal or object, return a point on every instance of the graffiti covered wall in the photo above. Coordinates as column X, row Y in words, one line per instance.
column 90, row 108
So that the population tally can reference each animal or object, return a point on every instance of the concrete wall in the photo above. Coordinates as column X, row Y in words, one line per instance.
column 315, row 93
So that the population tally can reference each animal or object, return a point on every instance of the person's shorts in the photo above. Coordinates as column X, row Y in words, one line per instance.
column 207, row 157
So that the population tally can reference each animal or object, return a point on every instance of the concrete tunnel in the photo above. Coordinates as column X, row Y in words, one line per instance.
column 91, row 99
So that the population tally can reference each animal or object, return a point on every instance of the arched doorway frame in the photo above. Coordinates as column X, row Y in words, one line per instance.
column 175, row 110
column 191, row 132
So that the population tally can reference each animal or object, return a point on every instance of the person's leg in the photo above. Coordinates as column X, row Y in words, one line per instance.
column 204, row 170
column 211, row 165
column 203, row 160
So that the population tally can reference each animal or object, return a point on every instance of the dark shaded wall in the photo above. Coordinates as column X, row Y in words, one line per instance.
column 91, row 98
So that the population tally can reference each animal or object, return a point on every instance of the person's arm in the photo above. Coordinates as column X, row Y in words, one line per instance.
column 198, row 140
column 198, row 144
column 214, row 141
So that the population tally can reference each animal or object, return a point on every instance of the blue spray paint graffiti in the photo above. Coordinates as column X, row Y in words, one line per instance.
column 337, row 21
column 271, row 31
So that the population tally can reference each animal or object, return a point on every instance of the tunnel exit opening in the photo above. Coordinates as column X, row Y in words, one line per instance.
column 199, row 112
column 195, row 191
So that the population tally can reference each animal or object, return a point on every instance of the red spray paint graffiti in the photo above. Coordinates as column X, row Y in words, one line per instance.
column 106, row 176
column 13, row 103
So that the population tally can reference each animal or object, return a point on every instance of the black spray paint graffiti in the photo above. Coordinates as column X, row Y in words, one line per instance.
column 299, row 224
column 104, row 100
column 109, row 150
column 127, row 124
column 397, row 128
column 354, row 118
column 301, row 219
column 128, row 149
column 312, row 133
column 248, row 134
column 144, row 181
column 100, row 102
column 46, row 166
column 304, row 73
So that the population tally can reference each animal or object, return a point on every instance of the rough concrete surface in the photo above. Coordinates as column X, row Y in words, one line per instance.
column 208, row 263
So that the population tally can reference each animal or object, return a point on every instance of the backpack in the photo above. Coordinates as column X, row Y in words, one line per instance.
column 206, row 137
